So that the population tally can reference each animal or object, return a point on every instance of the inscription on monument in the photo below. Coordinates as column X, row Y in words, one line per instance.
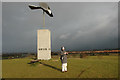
column 44, row 49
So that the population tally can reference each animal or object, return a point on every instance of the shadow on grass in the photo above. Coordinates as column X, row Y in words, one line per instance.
column 50, row 66
column 34, row 63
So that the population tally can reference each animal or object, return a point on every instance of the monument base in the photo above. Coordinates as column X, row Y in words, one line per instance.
column 43, row 44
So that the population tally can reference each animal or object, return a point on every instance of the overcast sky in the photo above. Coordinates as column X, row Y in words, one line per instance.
column 0, row 28
column 77, row 26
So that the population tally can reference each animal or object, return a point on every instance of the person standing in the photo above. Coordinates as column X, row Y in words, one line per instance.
column 63, row 58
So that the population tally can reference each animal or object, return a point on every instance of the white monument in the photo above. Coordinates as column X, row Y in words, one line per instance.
column 43, row 44
column 43, row 35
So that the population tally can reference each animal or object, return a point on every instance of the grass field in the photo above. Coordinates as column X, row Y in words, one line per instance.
column 89, row 67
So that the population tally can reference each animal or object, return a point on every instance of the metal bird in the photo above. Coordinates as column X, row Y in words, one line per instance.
column 42, row 6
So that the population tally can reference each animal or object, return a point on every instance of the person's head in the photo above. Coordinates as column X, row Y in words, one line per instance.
column 62, row 48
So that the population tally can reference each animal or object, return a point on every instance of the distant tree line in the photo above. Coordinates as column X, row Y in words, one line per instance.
column 80, row 54
column 15, row 55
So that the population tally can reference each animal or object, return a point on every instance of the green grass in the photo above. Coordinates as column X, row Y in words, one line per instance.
column 89, row 67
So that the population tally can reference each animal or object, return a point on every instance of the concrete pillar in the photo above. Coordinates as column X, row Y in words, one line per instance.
column 43, row 44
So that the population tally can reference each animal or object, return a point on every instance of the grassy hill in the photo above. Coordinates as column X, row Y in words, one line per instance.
column 89, row 67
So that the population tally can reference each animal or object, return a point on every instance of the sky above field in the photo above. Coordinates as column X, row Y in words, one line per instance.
column 77, row 26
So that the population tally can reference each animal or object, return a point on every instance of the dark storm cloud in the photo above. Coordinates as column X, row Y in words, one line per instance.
column 0, row 28
column 77, row 26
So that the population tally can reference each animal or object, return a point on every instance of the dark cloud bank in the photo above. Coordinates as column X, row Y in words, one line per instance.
column 77, row 26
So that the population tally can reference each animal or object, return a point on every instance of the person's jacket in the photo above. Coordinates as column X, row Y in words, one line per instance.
column 63, row 57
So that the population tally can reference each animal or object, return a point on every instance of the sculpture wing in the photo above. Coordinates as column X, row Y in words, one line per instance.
column 33, row 7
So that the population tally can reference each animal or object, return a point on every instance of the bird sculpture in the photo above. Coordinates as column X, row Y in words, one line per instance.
column 42, row 6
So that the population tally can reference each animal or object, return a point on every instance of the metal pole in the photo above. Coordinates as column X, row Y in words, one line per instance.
column 43, row 19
